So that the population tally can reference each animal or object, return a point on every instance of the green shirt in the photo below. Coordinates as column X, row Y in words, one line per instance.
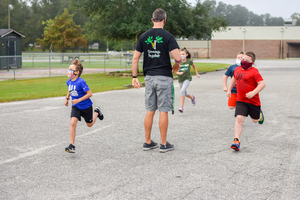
column 185, row 67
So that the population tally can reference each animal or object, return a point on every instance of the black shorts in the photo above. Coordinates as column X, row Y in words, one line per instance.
column 246, row 109
column 87, row 114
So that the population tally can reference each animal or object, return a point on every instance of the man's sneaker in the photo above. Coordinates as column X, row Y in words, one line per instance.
column 100, row 115
column 70, row 149
column 180, row 109
column 193, row 100
column 236, row 144
column 166, row 148
column 152, row 145
column 262, row 118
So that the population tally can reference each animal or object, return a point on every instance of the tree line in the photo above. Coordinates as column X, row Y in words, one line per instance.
column 120, row 22
column 239, row 15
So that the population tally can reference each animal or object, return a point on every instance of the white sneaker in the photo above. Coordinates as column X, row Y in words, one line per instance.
column 180, row 109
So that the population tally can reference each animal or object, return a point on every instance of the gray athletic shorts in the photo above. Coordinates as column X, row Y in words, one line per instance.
column 158, row 93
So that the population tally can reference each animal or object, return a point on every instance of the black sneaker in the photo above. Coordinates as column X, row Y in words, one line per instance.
column 70, row 149
column 152, row 145
column 100, row 115
column 166, row 148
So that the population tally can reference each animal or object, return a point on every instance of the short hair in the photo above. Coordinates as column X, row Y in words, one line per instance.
column 241, row 52
column 251, row 54
column 159, row 15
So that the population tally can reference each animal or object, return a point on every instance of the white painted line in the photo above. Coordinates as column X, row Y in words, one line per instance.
column 38, row 151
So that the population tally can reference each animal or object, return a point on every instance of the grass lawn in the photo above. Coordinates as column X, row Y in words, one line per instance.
column 16, row 90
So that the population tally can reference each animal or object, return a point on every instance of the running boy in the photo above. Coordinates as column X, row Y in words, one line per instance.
column 249, row 83
column 81, row 102
column 229, row 72
column 185, row 77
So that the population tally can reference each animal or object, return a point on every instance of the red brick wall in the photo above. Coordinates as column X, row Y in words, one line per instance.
column 294, row 49
column 264, row 49
column 226, row 48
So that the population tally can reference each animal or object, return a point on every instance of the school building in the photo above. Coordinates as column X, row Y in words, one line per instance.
column 267, row 42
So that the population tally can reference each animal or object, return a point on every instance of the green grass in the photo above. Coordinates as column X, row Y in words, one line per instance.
column 16, row 90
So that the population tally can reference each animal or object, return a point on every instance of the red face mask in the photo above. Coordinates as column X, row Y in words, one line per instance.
column 245, row 65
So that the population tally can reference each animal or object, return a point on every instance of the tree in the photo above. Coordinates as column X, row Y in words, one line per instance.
column 127, row 20
column 255, row 20
column 238, row 15
column 62, row 33
column 297, row 17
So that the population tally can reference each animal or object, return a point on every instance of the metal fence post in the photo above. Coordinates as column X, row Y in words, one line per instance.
column 89, row 60
column 104, row 63
column 49, row 66
column 32, row 60
column 14, row 72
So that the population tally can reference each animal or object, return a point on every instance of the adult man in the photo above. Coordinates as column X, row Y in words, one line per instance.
column 156, row 44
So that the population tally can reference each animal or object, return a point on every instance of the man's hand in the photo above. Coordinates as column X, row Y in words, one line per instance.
column 225, row 89
column 136, row 83
column 176, row 68
column 251, row 94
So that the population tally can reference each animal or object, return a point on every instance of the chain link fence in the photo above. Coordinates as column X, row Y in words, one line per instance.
column 56, row 64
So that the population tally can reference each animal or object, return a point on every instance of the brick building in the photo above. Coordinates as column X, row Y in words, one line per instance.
column 265, row 41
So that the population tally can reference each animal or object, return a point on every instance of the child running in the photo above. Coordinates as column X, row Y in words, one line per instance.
column 81, row 102
column 249, row 83
column 229, row 72
column 185, row 77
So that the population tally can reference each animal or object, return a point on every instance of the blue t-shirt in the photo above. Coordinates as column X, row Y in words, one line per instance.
column 78, row 89
column 230, row 72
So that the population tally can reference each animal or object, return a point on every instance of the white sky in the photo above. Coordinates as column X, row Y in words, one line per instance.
column 276, row 8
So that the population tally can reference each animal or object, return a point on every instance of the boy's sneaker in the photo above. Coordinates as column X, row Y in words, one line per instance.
column 166, row 148
column 180, row 109
column 152, row 145
column 262, row 119
column 193, row 100
column 236, row 145
column 70, row 148
column 100, row 115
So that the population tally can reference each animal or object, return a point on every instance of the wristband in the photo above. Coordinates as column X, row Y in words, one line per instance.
column 68, row 98
column 178, row 61
column 134, row 76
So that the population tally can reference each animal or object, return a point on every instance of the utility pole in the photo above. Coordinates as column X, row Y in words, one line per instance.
column 8, row 15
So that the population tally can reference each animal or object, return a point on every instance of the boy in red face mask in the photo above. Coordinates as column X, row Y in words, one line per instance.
column 248, row 83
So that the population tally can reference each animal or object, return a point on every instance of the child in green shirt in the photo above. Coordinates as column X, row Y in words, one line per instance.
column 185, row 77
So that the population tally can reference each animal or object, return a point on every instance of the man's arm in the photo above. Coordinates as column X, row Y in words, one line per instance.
column 260, row 86
column 135, row 65
column 176, row 55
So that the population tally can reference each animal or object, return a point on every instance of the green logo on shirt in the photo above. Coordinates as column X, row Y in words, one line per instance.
column 158, row 39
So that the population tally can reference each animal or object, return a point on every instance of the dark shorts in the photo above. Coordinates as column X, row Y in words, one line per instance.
column 87, row 114
column 246, row 109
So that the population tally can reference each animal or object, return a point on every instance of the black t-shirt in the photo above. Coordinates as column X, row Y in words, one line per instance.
column 156, row 44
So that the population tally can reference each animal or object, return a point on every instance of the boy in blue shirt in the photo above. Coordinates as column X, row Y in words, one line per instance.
column 81, row 102
column 230, row 72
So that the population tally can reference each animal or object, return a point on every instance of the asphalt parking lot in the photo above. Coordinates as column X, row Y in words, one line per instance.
column 109, row 162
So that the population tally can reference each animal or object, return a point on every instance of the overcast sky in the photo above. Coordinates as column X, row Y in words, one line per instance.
column 276, row 8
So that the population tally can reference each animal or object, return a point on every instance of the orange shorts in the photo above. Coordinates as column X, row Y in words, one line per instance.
column 232, row 100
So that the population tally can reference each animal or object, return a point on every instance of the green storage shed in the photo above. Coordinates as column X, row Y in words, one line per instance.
column 10, row 49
